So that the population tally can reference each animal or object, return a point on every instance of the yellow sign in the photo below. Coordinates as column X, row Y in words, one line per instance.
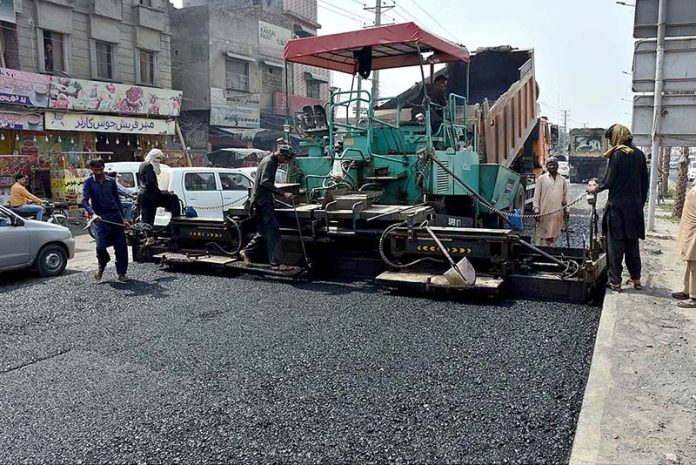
column 434, row 248
column 206, row 235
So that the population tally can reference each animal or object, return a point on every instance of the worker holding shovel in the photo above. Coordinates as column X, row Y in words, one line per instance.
column 101, row 201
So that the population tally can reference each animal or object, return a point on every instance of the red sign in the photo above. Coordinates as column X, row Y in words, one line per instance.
column 296, row 102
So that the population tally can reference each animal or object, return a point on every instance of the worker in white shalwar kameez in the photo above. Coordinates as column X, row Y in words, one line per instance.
column 550, row 195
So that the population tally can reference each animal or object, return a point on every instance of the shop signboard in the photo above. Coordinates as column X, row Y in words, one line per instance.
column 240, row 111
column 297, row 102
column 107, row 97
column 21, row 121
column 20, row 88
column 272, row 39
column 107, row 123
column 66, row 185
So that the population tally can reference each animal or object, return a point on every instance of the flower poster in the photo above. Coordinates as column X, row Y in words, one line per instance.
column 107, row 97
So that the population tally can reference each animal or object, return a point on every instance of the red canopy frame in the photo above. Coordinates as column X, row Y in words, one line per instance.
column 393, row 46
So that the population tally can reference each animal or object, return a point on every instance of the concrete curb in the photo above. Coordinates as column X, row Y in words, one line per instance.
column 588, row 435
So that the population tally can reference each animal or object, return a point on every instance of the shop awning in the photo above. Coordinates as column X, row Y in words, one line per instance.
column 237, row 56
column 309, row 76
column 391, row 46
column 274, row 64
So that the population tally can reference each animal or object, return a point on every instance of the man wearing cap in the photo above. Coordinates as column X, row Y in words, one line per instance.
column 262, row 206
column 550, row 199
column 23, row 201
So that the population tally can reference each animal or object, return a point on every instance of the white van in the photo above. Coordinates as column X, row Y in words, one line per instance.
column 127, row 173
column 210, row 191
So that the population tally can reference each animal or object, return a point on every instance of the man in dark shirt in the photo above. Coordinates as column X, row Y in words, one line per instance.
column 437, row 93
column 626, row 178
column 100, row 199
column 149, row 194
column 262, row 205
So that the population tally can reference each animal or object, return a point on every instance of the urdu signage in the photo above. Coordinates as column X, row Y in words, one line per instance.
column 107, row 123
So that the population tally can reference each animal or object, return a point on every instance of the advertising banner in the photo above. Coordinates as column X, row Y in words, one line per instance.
column 296, row 103
column 240, row 111
column 20, row 88
column 272, row 39
column 22, row 121
column 107, row 97
column 107, row 123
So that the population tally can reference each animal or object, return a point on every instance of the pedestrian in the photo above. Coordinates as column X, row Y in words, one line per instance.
column 150, row 196
column 23, row 201
column 626, row 178
column 101, row 200
column 126, row 196
column 550, row 200
column 262, row 208
column 686, row 247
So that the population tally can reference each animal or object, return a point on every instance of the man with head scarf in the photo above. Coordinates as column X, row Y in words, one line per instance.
column 149, row 194
column 686, row 247
column 623, row 223
column 550, row 198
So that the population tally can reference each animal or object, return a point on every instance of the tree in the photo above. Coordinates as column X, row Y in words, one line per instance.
column 664, row 170
column 680, row 194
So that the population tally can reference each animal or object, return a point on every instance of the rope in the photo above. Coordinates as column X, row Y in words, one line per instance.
column 229, row 204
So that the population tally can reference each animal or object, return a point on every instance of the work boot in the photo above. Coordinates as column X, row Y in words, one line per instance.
column 122, row 278
column 98, row 274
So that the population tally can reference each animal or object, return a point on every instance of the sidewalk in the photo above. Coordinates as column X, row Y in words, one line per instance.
column 640, row 400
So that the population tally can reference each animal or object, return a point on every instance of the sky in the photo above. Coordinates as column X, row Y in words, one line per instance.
column 582, row 48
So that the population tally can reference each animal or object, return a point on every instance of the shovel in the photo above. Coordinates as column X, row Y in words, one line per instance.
column 462, row 273
column 91, row 220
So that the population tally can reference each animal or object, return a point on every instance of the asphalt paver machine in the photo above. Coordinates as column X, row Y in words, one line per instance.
column 405, row 200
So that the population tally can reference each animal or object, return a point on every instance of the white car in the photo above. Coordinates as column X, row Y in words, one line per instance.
column 42, row 246
column 691, row 173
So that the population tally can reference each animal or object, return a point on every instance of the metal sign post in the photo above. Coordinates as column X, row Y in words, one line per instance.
column 657, row 112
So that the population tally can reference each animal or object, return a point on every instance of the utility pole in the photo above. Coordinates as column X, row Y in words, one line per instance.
column 378, row 9
column 657, row 111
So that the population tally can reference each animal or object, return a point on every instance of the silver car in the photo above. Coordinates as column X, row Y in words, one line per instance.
column 24, row 243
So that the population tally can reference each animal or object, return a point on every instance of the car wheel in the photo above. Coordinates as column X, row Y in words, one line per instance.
column 51, row 260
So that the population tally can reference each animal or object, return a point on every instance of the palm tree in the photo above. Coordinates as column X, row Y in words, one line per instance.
column 664, row 170
column 680, row 194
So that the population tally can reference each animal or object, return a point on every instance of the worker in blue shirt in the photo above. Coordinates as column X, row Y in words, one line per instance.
column 125, row 194
column 101, row 200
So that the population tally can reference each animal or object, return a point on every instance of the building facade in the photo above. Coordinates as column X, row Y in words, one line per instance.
column 80, row 79
column 234, row 83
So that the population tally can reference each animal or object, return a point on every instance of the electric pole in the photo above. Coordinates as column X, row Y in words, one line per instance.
column 378, row 9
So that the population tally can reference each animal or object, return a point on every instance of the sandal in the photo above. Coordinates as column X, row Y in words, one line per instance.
column 636, row 284
column 680, row 295
column 691, row 303
column 614, row 287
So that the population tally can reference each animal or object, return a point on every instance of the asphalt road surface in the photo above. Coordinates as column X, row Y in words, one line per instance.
column 176, row 367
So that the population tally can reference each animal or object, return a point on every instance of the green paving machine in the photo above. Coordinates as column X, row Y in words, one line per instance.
column 413, row 195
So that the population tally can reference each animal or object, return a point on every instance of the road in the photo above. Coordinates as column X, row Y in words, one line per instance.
column 176, row 367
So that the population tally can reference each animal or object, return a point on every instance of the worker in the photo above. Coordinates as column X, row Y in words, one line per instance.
column 101, row 201
column 626, row 178
column 686, row 247
column 550, row 200
column 437, row 93
column 126, row 196
column 149, row 194
column 262, row 208
column 23, row 201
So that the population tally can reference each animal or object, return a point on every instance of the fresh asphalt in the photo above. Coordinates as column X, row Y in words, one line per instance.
column 178, row 367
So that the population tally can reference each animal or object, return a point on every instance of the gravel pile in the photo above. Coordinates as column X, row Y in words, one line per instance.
column 174, row 367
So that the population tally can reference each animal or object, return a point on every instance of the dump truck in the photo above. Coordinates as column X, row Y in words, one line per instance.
column 586, row 147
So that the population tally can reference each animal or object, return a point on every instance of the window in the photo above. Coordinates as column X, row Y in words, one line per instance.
column 200, row 182
column 236, row 75
column 5, row 219
column 313, row 88
column 105, row 59
column 234, row 182
column 126, row 179
column 54, row 57
column 147, row 67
